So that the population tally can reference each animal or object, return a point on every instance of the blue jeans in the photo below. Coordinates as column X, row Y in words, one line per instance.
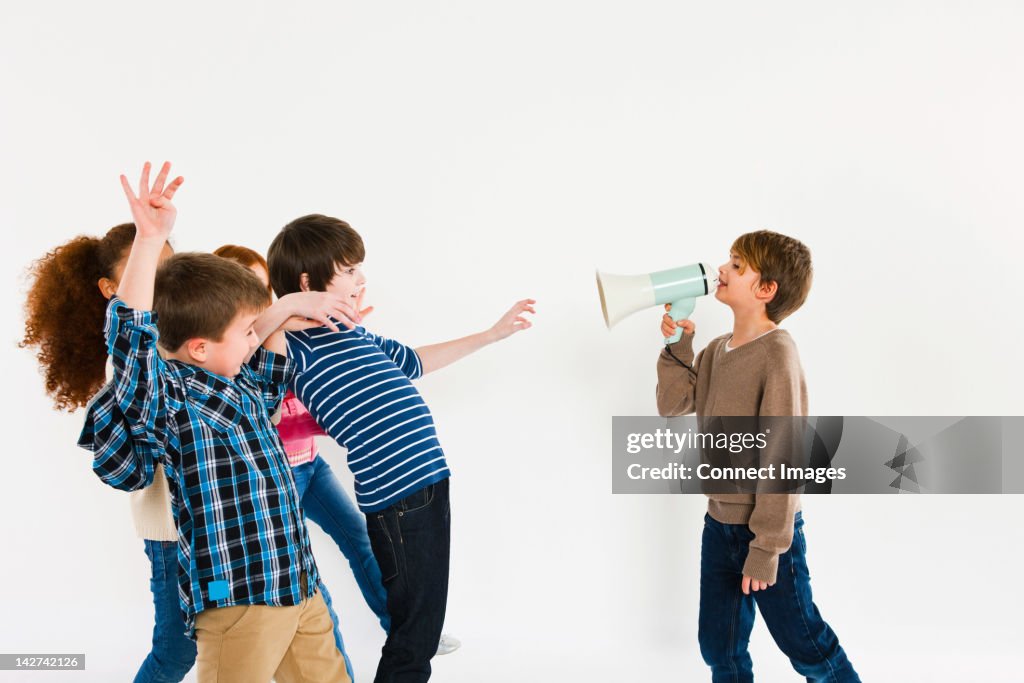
column 337, row 631
column 173, row 653
column 411, row 540
column 727, row 615
column 325, row 502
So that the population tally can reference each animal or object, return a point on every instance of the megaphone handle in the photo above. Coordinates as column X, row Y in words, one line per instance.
column 681, row 310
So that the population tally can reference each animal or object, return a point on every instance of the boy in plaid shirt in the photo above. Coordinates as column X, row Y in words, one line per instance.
column 248, row 583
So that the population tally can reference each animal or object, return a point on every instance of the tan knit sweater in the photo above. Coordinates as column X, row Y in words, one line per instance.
column 761, row 377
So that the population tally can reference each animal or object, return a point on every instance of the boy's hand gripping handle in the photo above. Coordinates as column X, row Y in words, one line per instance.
column 681, row 310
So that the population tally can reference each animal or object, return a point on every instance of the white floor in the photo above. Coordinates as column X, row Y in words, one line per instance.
column 503, row 662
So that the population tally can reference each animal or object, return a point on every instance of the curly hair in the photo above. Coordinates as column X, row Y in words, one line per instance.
column 65, row 311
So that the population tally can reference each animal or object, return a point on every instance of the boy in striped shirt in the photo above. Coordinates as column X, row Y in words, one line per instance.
column 358, row 387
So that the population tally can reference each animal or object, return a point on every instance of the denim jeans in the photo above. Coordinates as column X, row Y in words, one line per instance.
column 173, row 653
column 325, row 502
column 727, row 615
column 337, row 631
column 411, row 541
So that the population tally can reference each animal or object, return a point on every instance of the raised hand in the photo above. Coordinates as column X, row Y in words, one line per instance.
column 152, row 209
column 513, row 320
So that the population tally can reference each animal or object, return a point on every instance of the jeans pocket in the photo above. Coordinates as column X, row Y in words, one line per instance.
column 383, row 546
column 418, row 500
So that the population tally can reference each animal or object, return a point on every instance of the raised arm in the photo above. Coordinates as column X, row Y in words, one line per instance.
column 436, row 356
column 131, row 331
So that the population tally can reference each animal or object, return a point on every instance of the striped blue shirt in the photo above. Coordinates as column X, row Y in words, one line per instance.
column 242, row 539
column 358, row 388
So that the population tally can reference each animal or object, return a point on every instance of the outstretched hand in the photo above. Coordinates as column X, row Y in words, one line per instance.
column 152, row 209
column 513, row 320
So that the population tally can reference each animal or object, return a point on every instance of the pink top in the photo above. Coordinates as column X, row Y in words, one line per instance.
column 297, row 429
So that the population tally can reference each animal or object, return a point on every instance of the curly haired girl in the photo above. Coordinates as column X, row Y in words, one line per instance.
column 64, row 318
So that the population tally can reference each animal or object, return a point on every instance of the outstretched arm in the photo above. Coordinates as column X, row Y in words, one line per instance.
column 154, row 216
column 436, row 356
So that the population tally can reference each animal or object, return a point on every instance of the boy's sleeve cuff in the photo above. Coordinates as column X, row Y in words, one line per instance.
column 761, row 565
column 272, row 367
column 417, row 370
column 121, row 318
column 681, row 351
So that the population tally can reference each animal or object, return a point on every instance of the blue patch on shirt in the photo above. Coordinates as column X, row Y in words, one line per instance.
column 217, row 590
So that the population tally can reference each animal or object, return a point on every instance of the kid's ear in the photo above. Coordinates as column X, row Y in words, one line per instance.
column 766, row 290
column 196, row 349
column 304, row 282
column 108, row 287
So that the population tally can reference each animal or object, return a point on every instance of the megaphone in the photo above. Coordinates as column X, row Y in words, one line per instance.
column 623, row 295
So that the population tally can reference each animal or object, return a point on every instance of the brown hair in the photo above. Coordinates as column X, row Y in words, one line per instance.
column 65, row 311
column 780, row 259
column 199, row 295
column 315, row 245
column 247, row 257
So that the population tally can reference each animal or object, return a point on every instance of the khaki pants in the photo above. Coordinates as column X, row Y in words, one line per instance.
column 252, row 643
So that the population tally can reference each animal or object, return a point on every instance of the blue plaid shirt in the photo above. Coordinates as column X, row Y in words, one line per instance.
column 241, row 535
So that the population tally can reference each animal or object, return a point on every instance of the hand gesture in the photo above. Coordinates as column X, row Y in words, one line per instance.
column 315, row 309
column 152, row 210
column 668, row 325
column 513, row 320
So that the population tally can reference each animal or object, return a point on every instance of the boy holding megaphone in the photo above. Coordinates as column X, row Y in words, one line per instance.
column 753, row 549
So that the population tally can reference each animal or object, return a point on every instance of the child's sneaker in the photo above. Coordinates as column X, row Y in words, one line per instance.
column 448, row 644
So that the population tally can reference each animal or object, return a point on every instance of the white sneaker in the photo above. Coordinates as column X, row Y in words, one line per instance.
column 448, row 644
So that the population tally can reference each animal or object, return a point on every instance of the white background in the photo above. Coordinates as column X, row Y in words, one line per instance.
column 488, row 152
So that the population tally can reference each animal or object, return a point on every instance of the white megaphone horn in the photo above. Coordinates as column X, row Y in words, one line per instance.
column 623, row 295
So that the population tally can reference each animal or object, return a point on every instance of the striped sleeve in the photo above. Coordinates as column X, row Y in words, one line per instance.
column 406, row 358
